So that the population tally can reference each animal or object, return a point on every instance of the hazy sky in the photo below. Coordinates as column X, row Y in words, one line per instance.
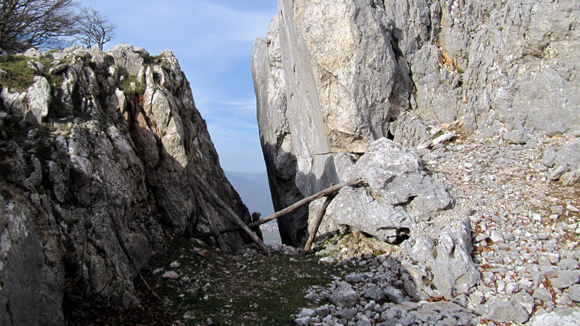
column 212, row 39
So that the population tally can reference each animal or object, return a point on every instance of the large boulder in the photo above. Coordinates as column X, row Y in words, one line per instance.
column 400, row 193
column 393, row 206
column 441, row 265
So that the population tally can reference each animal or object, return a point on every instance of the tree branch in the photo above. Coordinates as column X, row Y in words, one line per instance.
column 325, row 192
column 233, row 216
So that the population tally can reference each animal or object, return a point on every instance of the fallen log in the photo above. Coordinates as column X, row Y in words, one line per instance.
column 233, row 216
column 307, row 200
column 121, row 240
column 317, row 223
column 323, row 193
column 205, row 212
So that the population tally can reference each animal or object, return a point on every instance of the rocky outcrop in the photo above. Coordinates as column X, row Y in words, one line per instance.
column 315, row 100
column 565, row 161
column 96, row 177
column 399, row 195
column 445, row 268
column 334, row 76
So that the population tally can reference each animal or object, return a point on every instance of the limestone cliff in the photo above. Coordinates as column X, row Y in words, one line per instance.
column 95, row 156
column 334, row 76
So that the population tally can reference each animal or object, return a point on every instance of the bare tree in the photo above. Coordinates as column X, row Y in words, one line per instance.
column 35, row 23
column 94, row 29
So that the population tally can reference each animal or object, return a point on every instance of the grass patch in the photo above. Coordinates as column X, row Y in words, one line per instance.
column 18, row 75
column 125, row 86
column 151, row 60
column 238, row 290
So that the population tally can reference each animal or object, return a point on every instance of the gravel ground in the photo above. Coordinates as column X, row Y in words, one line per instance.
column 525, row 236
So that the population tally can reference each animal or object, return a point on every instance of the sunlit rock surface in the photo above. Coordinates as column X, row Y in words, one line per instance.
column 333, row 76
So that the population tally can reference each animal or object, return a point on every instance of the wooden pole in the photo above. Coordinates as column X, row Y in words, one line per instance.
column 325, row 192
column 317, row 223
column 307, row 200
column 121, row 239
column 233, row 216
column 205, row 212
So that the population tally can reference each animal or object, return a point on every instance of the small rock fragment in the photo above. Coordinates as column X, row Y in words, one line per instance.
column 554, row 258
column 556, row 174
column 171, row 275
column 344, row 296
column 568, row 263
column 542, row 294
column 512, row 288
column 506, row 312
column 303, row 321
column 566, row 279
column 496, row 237
column 189, row 315
column 575, row 292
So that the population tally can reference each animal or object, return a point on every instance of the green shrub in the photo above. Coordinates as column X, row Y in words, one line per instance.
column 125, row 86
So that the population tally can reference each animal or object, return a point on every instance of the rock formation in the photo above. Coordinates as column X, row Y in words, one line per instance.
column 333, row 76
column 95, row 162
column 399, row 194
column 335, row 80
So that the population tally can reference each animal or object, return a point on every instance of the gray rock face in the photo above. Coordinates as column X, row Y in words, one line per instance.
column 275, row 135
column 335, row 76
column 38, row 97
column 446, row 268
column 483, row 48
column 31, row 106
column 327, row 81
column 94, row 190
column 408, row 130
column 30, row 277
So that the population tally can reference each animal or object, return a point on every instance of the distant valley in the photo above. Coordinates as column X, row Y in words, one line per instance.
column 255, row 193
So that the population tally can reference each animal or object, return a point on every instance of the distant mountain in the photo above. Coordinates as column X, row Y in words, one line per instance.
column 259, row 178
column 254, row 191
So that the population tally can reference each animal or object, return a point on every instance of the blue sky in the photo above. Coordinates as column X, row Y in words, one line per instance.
column 212, row 39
